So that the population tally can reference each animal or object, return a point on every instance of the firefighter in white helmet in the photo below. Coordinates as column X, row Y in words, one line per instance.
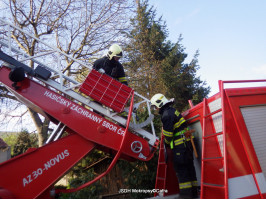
column 110, row 64
column 174, row 128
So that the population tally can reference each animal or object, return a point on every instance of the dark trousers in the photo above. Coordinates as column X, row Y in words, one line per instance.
column 185, row 170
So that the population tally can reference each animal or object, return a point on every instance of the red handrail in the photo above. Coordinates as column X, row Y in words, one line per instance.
column 226, row 194
column 243, row 81
column 112, row 163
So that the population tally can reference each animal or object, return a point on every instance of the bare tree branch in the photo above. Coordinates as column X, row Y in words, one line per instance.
column 81, row 28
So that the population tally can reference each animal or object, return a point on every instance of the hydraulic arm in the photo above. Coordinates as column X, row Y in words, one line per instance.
column 39, row 169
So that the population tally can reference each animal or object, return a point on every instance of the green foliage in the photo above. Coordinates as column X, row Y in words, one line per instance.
column 180, row 79
column 84, row 172
column 20, row 142
column 10, row 139
column 156, row 65
column 82, row 177
column 139, row 175
column 145, row 50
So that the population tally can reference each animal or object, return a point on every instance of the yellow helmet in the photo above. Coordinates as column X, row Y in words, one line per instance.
column 159, row 100
column 114, row 50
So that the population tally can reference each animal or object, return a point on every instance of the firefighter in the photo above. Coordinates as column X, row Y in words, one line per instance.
column 110, row 64
column 174, row 128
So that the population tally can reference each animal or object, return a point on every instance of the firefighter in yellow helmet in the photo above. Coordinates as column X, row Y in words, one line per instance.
column 174, row 127
column 110, row 64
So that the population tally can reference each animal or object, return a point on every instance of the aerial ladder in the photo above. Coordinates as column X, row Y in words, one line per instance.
column 88, row 112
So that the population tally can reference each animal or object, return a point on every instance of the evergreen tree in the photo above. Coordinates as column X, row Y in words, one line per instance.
column 139, row 175
column 156, row 65
column 146, row 49
column 24, row 141
column 179, row 78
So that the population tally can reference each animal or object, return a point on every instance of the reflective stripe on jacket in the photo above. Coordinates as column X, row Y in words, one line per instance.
column 173, row 123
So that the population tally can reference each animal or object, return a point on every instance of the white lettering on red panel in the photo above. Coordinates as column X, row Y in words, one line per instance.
column 84, row 112
column 46, row 166
column 59, row 99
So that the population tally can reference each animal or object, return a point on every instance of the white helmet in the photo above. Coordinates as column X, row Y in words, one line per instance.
column 114, row 50
column 159, row 100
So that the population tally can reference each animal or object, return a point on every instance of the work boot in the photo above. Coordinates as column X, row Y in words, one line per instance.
column 195, row 192
column 186, row 194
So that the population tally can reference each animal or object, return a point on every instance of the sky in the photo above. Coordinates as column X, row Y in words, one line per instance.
column 229, row 34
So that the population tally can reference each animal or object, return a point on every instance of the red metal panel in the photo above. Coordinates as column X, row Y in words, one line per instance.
column 29, row 175
column 237, row 100
column 106, row 90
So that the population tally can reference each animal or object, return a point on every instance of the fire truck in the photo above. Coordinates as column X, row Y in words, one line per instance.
column 230, row 141
column 229, row 128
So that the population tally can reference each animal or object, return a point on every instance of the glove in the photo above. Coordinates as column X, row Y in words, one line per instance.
column 101, row 71
column 187, row 134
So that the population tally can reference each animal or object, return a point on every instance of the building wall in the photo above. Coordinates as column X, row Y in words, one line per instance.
column 5, row 154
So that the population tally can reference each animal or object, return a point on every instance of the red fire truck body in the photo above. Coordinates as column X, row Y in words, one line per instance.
column 230, row 139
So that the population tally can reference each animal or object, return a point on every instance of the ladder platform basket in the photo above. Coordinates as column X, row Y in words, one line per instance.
column 106, row 90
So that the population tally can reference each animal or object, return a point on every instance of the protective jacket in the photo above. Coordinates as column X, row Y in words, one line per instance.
column 174, row 127
column 112, row 68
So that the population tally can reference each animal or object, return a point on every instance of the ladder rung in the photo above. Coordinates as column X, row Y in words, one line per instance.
column 212, row 113
column 213, row 185
column 211, row 159
column 212, row 135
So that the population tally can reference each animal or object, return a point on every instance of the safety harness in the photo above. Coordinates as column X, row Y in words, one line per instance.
column 181, row 139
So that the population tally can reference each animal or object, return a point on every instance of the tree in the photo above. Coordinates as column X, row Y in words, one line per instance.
column 156, row 65
column 146, row 48
column 179, row 79
column 23, row 142
column 140, row 175
column 79, row 28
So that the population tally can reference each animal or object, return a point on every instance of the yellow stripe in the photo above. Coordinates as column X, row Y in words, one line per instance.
column 178, row 141
column 194, row 183
column 185, row 185
column 122, row 79
column 166, row 141
column 167, row 133
column 179, row 123
column 177, row 113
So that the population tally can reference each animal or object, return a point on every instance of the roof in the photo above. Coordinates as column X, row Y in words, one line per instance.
column 2, row 144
